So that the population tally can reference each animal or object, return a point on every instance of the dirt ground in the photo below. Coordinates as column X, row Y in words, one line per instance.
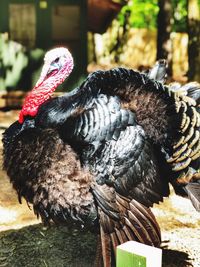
column 24, row 242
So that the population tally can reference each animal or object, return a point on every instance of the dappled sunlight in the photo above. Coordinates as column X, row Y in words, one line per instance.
column 182, row 207
column 12, row 214
column 7, row 216
column 16, row 216
column 180, row 56
column 140, row 49
column 139, row 52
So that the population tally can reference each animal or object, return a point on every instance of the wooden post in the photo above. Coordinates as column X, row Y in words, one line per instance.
column 164, row 43
column 194, row 40
column 135, row 254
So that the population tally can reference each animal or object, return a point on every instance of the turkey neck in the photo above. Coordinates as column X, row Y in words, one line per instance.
column 43, row 92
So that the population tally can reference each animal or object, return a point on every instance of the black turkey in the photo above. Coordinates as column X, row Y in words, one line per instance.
column 100, row 156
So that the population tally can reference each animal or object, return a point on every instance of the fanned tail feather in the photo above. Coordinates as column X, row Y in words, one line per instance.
column 193, row 91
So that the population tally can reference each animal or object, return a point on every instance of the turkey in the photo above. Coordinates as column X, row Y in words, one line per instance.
column 100, row 156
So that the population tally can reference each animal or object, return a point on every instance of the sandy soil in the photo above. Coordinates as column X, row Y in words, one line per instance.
column 25, row 242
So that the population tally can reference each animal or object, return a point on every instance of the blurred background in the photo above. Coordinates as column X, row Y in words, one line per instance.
column 100, row 35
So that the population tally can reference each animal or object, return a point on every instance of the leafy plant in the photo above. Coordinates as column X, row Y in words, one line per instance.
column 180, row 15
column 143, row 13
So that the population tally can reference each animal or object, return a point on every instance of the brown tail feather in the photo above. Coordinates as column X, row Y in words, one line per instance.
column 98, row 258
column 150, row 225
column 141, row 209
column 141, row 227
column 128, row 232
column 121, row 235
column 144, row 215
column 114, row 240
column 147, row 230
column 147, row 213
column 122, row 201
column 138, row 234
column 106, row 248
column 132, row 221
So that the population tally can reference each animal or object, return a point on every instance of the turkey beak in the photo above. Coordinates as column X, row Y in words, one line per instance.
column 53, row 66
column 47, row 69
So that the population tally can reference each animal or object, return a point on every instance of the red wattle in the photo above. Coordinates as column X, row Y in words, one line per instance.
column 33, row 101
column 21, row 117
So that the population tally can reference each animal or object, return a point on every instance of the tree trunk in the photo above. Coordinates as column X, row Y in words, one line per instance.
column 194, row 40
column 164, row 43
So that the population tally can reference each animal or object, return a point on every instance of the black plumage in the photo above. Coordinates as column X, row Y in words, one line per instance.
column 101, row 155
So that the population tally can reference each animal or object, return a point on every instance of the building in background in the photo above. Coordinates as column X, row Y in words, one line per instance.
column 42, row 24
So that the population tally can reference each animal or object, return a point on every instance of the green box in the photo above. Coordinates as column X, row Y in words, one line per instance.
column 135, row 254
column 128, row 259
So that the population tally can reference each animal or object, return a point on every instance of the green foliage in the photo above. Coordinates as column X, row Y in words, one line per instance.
column 19, row 66
column 142, row 13
column 180, row 15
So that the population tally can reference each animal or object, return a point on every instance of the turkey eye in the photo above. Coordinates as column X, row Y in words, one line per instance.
column 56, row 60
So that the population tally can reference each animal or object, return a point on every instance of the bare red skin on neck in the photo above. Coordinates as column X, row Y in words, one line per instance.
column 43, row 92
column 33, row 101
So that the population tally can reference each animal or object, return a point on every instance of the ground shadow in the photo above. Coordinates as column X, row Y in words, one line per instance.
column 36, row 246
column 175, row 258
